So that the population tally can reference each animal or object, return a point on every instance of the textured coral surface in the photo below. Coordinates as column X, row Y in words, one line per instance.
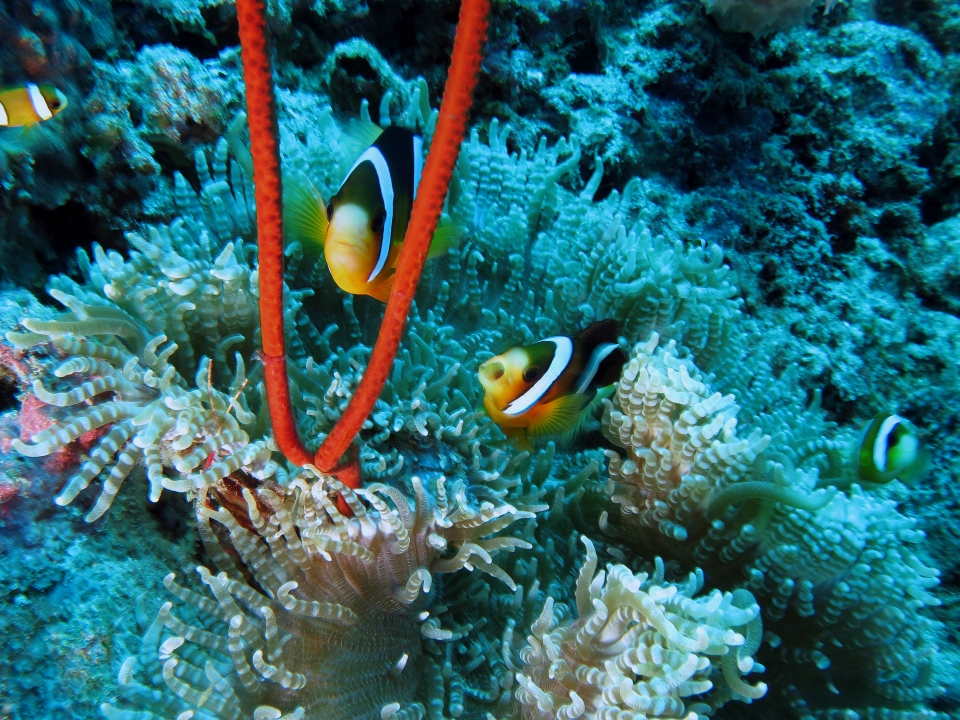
column 773, row 222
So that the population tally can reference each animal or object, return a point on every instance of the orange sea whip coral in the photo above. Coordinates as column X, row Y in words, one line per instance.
column 445, row 148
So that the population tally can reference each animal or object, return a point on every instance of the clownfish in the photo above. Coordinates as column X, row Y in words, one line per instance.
column 546, row 388
column 888, row 450
column 362, row 226
column 29, row 104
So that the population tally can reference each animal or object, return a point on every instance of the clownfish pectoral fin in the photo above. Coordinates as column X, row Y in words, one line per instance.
column 559, row 416
column 381, row 291
column 445, row 239
column 304, row 214
column 586, row 414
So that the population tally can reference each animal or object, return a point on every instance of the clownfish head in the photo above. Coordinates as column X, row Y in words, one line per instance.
column 888, row 450
column 352, row 245
column 508, row 376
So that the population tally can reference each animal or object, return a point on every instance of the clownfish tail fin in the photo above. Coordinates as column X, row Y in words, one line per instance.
column 445, row 239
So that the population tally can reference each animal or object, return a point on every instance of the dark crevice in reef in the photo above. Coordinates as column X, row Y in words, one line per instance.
column 897, row 221
column 614, row 178
column 839, row 409
column 352, row 80
column 585, row 55
column 66, row 228
column 8, row 392
column 144, row 27
column 221, row 21
column 843, row 228
column 929, row 18
column 173, row 156
column 388, row 26
column 169, row 514
column 774, row 293
column 941, row 158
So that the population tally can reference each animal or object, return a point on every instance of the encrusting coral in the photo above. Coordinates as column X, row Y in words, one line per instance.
column 763, row 17
column 840, row 586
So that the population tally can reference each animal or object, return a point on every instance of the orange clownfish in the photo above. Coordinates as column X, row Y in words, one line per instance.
column 29, row 104
column 546, row 388
column 362, row 226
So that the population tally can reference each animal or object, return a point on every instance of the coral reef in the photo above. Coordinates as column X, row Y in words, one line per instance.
column 822, row 159
column 689, row 488
column 761, row 18
column 154, row 105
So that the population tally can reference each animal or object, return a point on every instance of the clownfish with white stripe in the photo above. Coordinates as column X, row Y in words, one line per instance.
column 888, row 450
column 546, row 388
column 362, row 227
column 29, row 104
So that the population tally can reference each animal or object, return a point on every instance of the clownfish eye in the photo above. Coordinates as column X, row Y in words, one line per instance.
column 55, row 105
column 379, row 217
column 532, row 374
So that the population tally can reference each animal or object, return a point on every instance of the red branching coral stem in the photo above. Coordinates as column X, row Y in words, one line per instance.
column 444, row 149
column 262, row 119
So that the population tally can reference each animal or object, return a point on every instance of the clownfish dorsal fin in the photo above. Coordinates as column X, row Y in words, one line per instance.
column 599, row 332
column 445, row 239
column 559, row 416
column 304, row 214
column 359, row 135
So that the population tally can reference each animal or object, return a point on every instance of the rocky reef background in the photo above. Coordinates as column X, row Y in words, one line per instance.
column 825, row 160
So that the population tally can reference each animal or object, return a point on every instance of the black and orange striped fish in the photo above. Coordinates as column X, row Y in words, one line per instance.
column 362, row 227
column 546, row 388
column 29, row 104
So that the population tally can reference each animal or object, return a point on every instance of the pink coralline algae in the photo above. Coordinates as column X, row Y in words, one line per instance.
column 33, row 417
